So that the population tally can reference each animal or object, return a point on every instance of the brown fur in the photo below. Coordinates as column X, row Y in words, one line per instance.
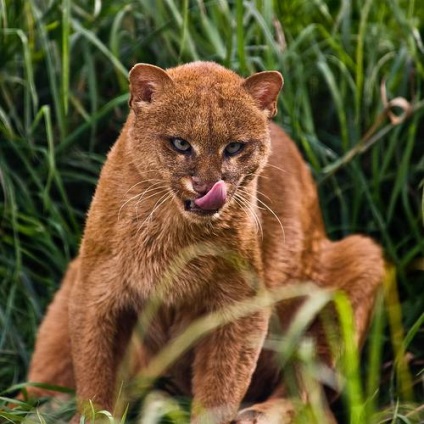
column 135, row 234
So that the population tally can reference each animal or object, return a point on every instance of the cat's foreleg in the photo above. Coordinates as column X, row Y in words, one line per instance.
column 224, row 363
column 100, row 331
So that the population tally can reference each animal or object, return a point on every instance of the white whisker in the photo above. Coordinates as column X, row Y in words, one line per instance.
column 141, row 182
column 127, row 201
column 167, row 196
column 153, row 187
column 267, row 208
column 275, row 216
column 156, row 192
column 248, row 208
column 139, row 195
column 276, row 167
column 264, row 195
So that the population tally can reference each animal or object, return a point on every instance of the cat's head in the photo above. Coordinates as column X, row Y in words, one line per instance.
column 203, row 130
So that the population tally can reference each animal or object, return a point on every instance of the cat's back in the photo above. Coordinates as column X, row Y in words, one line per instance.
column 287, row 178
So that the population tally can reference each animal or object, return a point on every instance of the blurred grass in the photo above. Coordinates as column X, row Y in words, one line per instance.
column 63, row 94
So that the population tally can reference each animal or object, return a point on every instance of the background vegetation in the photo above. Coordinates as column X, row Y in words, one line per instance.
column 353, row 102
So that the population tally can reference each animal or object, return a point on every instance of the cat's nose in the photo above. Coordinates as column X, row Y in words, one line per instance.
column 200, row 186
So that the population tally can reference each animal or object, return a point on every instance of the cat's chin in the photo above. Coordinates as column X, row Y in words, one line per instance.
column 198, row 214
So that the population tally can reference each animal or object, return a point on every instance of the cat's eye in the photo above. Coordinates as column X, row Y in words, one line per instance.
column 233, row 148
column 180, row 145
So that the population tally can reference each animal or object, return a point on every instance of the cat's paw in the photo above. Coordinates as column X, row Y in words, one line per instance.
column 76, row 419
column 275, row 411
column 249, row 416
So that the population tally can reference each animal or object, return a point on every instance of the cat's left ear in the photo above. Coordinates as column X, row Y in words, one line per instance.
column 264, row 88
column 147, row 82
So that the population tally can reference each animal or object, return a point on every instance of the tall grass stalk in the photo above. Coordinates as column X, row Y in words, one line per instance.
column 63, row 99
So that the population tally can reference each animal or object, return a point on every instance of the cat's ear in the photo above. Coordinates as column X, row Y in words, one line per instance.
column 264, row 88
column 147, row 81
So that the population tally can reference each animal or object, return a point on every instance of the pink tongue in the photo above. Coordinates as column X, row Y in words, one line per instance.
column 214, row 198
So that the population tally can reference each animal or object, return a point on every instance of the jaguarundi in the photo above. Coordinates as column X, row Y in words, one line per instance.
column 202, row 182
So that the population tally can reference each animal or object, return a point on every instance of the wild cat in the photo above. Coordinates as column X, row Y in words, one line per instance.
column 198, row 163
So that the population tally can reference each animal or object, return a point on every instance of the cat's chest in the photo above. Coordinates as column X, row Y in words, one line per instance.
column 162, row 265
column 175, row 268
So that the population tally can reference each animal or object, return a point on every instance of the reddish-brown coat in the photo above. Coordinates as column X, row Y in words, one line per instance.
column 136, row 248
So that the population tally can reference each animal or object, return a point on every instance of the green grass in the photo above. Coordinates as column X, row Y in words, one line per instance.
column 63, row 99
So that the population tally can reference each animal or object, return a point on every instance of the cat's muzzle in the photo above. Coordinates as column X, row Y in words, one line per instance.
column 210, row 202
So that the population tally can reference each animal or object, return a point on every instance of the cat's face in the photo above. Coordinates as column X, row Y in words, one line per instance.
column 202, row 130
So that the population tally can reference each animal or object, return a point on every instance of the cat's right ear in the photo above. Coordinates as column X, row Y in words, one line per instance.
column 146, row 82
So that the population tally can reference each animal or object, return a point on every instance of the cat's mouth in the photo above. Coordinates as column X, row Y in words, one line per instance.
column 211, row 202
column 190, row 206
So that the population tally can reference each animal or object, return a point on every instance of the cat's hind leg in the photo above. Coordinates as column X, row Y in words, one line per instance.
column 52, row 362
column 275, row 410
column 355, row 266
column 279, row 409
